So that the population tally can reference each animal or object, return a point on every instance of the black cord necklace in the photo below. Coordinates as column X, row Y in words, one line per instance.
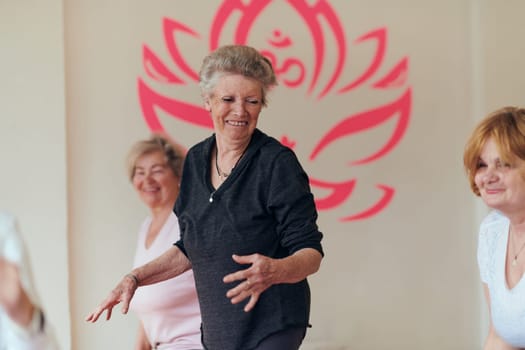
column 222, row 174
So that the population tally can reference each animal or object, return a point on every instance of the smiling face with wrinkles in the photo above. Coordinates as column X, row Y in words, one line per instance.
column 154, row 181
column 234, row 105
column 501, row 184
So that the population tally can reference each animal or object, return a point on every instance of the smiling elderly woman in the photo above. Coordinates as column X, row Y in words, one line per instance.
column 169, row 311
column 495, row 162
column 247, row 219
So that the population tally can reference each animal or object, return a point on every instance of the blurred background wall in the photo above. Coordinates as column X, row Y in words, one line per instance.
column 403, row 276
column 33, row 146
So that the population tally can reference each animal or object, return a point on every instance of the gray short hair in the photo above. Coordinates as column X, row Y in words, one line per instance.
column 236, row 59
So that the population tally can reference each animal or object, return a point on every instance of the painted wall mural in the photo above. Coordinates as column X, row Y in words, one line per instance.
column 322, row 23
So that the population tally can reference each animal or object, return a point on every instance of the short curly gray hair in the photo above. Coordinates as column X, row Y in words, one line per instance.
column 236, row 59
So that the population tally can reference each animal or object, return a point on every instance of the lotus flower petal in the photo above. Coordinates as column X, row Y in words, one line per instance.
column 150, row 100
column 171, row 27
column 340, row 191
column 382, row 203
column 366, row 120
column 379, row 35
column 396, row 77
column 156, row 69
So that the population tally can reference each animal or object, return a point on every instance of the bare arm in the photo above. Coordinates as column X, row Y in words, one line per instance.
column 265, row 272
column 13, row 298
column 142, row 341
column 493, row 341
column 170, row 264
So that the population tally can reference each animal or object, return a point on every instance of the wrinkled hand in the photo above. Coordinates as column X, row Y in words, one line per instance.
column 261, row 275
column 123, row 292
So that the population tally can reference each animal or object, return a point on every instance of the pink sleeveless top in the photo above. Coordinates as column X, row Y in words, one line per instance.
column 169, row 310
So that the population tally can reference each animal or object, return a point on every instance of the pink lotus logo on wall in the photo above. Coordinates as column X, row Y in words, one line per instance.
column 322, row 23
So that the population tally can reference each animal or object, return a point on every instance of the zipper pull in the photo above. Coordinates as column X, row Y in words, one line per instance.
column 211, row 197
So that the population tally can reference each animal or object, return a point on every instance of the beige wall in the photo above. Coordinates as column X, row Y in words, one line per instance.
column 503, row 53
column 404, row 279
column 33, row 175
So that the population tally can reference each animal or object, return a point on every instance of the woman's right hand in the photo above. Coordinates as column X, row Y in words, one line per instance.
column 123, row 292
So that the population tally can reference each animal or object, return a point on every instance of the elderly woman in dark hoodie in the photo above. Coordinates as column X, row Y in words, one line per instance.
column 247, row 219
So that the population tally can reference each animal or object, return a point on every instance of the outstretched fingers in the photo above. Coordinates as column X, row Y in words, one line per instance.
column 253, row 281
column 106, row 305
column 243, row 291
column 121, row 294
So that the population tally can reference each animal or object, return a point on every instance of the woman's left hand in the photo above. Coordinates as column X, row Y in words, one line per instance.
column 262, row 274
